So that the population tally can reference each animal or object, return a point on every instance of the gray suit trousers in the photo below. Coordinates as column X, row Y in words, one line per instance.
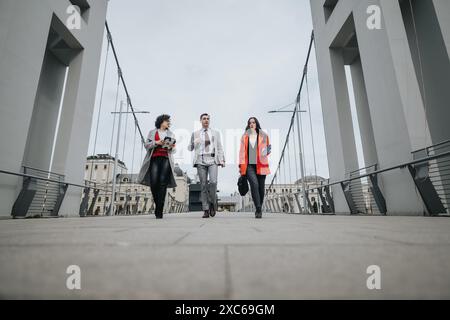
column 208, row 191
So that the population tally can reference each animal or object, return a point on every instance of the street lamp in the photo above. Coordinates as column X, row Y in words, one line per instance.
column 297, row 111
column 116, row 158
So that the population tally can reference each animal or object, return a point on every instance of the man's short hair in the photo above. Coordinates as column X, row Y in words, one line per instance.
column 203, row 114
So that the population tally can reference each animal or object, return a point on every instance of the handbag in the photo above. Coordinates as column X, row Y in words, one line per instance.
column 242, row 185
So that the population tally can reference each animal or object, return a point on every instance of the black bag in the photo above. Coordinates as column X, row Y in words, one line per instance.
column 242, row 185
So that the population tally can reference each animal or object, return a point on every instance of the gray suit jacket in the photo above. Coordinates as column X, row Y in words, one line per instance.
column 216, row 142
column 150, row 145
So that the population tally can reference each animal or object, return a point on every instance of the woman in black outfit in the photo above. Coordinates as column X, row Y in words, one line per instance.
column 157, row 169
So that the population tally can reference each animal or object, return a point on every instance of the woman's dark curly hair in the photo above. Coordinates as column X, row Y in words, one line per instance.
column 161, row 119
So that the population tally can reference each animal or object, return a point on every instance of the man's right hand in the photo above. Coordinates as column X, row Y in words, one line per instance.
column 160, row 142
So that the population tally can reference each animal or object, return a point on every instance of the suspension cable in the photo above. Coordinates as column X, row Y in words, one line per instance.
column 134, row 150
column 311, row 126
column 123, row 82
column 100, row 105
column 289, row 159
column 295, row 154
column 297, row 108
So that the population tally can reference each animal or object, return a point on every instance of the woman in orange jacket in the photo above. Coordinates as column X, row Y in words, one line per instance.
column 254, row 161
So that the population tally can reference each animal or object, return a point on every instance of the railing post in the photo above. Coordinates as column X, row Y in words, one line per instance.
column 308, row 201
column 278, row 204
column 25, row 198
column 62, row 193
column 329, row 198
column 325, row 206
column 300, row 211
column 348, row 197
column 91, row 207
column 377, row 194
column 85, row 202
column 430, row 197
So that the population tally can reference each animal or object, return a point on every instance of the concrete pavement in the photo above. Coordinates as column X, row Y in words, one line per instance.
column 232, row 256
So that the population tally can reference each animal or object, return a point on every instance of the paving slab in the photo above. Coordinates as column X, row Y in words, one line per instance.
column 231, row 256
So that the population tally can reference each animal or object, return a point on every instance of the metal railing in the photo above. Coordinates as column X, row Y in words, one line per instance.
column 432, row 178
column 430, row 170
column 42, row 194
column 124, row 203
column 363, row 191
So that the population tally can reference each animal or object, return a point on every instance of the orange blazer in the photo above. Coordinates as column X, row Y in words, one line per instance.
column 262, row 156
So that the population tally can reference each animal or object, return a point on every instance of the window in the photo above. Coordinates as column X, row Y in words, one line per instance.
column 105, row 166
column 107, row 199
column 99, row 199
column 87, row 167
column 122, row 198
column 96, row 167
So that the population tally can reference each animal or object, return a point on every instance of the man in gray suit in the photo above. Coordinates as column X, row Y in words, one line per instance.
column 208, row 156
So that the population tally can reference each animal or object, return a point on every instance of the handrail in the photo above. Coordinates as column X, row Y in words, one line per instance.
column 433, row 146
column 43, row 171
column 44, row 179
column 357, row 170
column 400, row 166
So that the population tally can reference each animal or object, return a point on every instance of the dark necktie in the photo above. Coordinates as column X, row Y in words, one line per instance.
column 207, row 141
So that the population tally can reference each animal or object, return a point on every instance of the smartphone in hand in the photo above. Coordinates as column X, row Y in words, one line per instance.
column 169, row 142
column 266, row 151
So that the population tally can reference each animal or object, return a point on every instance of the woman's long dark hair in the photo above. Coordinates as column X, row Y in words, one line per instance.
column 258, row 126
column 161, row 119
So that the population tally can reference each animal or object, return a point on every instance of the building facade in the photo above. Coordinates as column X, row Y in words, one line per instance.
column 396, row 53
column 41, row 54
column 286, row 198
column 131, row 197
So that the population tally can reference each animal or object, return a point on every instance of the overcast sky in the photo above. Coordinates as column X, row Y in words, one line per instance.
column 231, row 58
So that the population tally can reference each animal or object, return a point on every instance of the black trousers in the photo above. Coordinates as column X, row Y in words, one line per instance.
column 257, row 186
column 159, row 179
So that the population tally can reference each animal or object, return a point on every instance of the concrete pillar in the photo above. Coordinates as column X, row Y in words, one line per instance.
column 27, row 115
column 390, row 127
column 442, row 9
column 22, row 48
column 426, row 35
column 363, row 114
column 338, row 126
column 42, row 128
